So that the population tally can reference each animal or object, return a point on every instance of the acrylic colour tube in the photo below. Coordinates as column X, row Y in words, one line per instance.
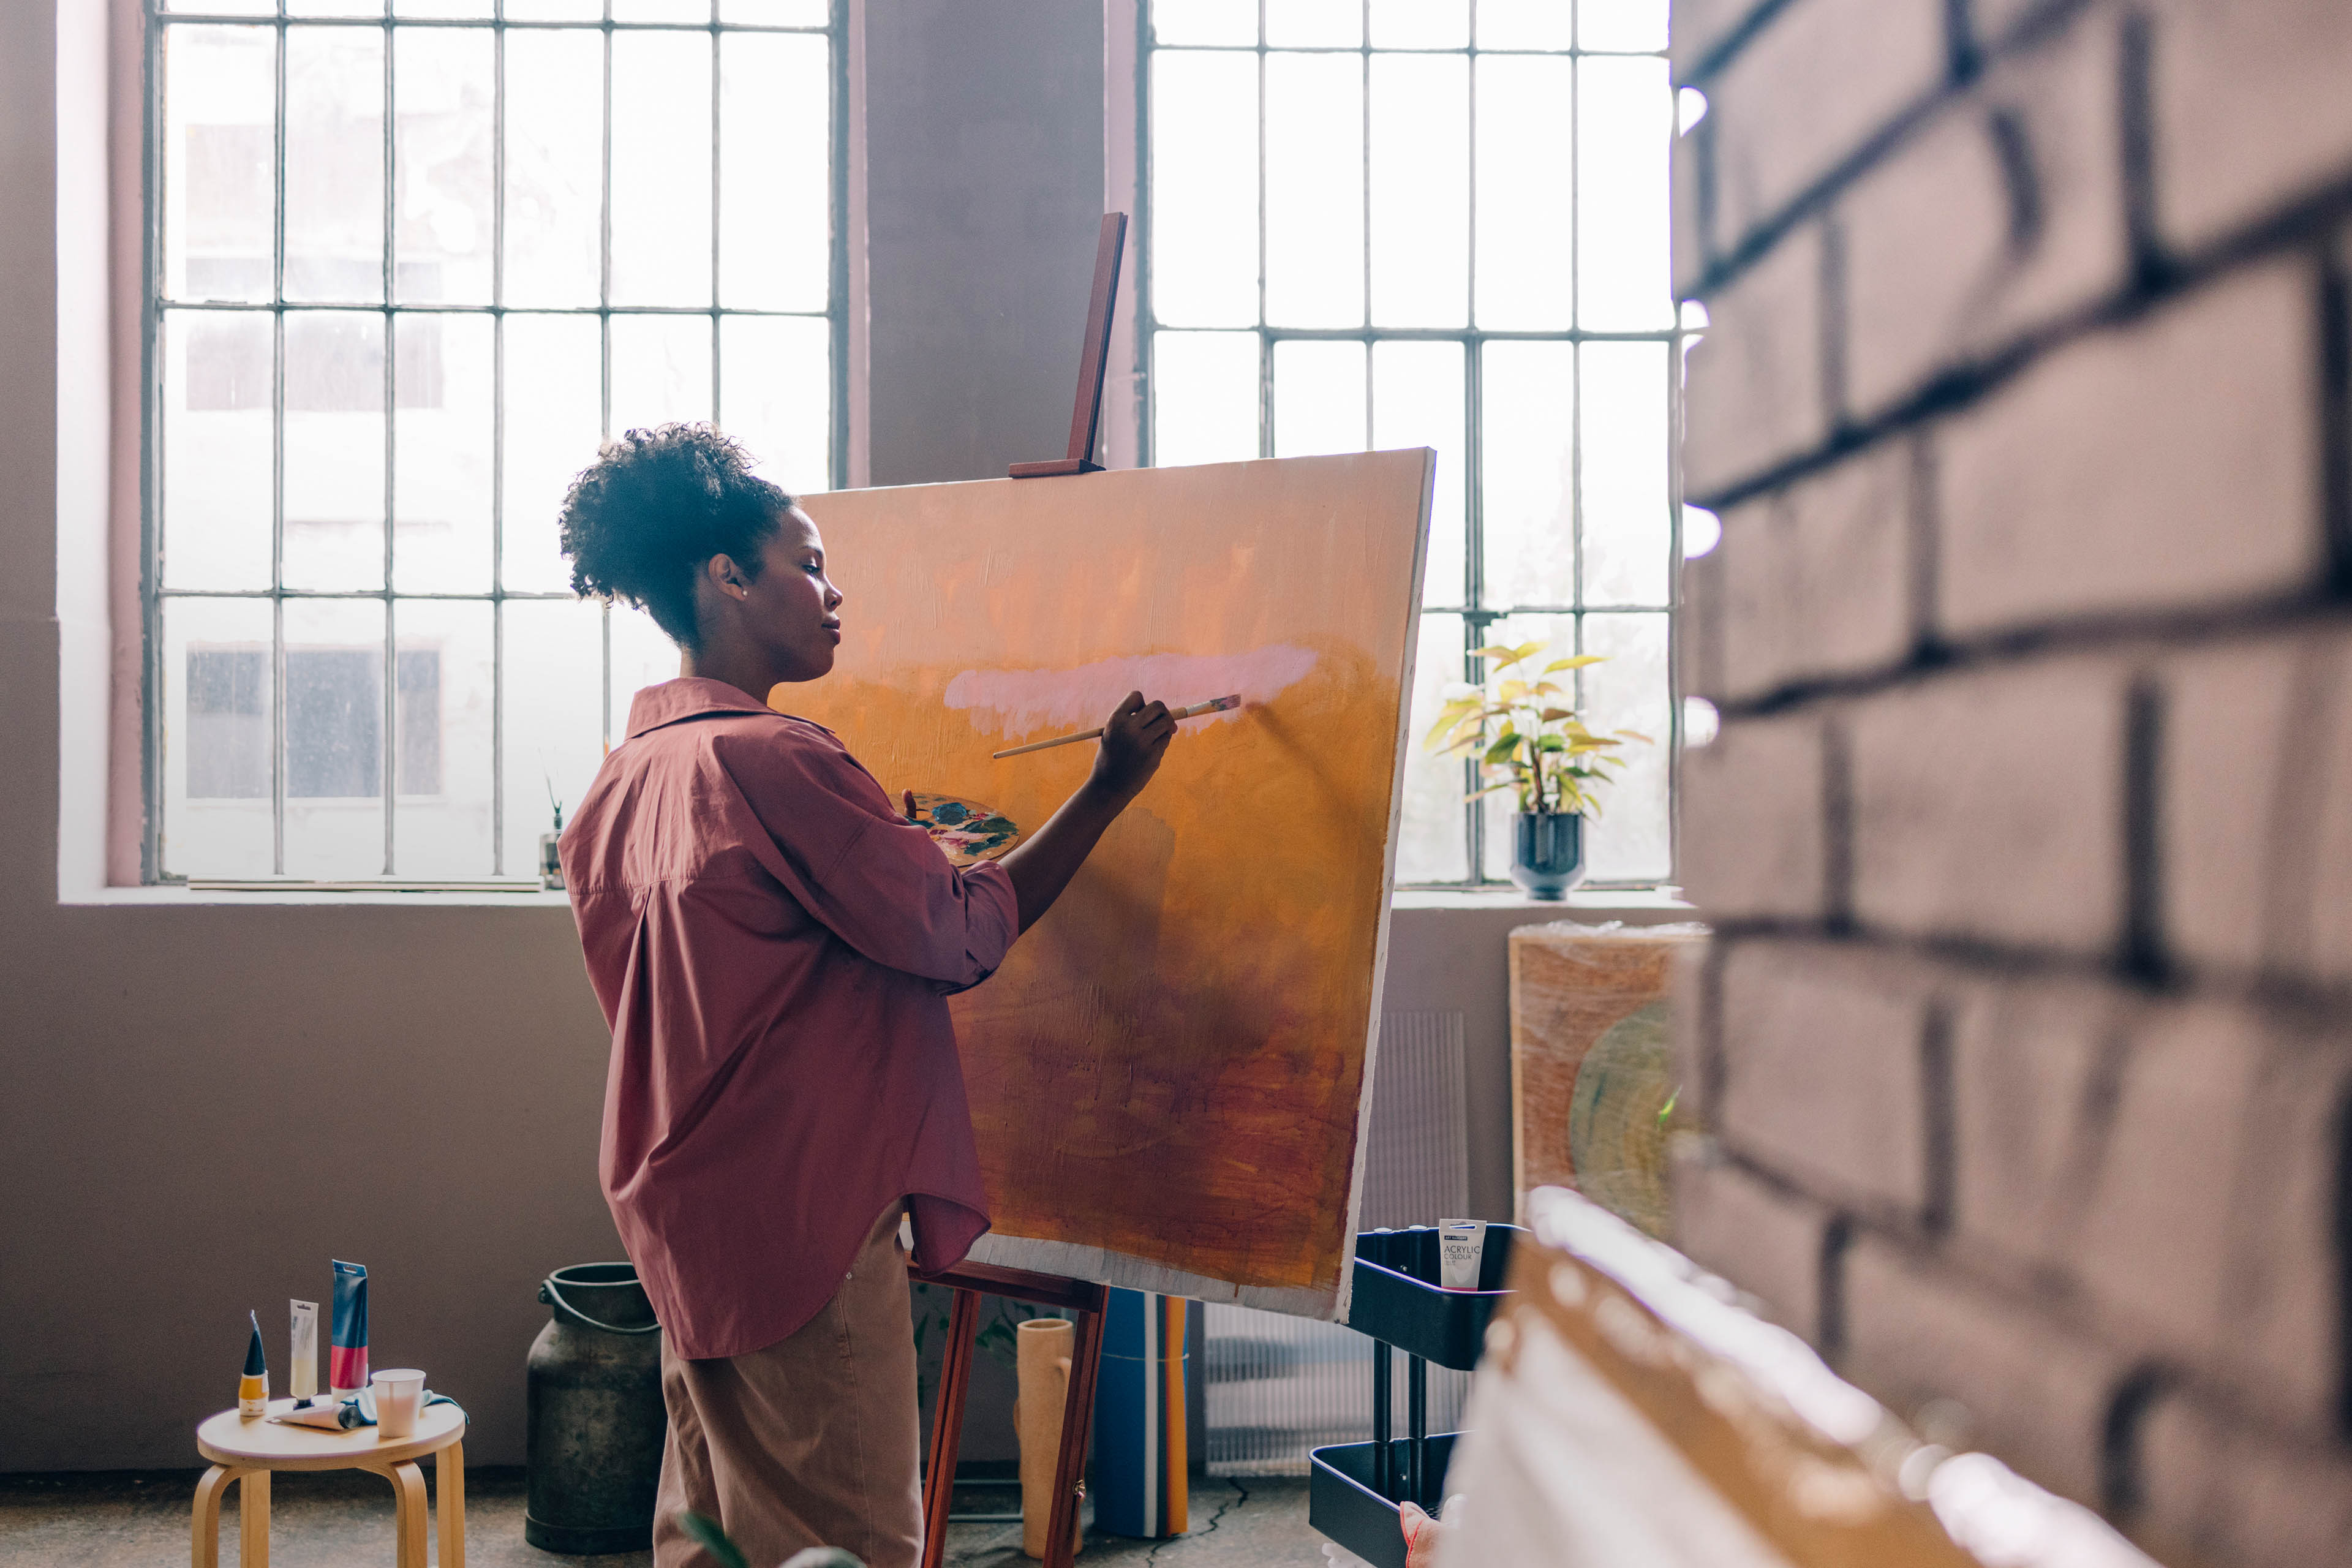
column 302, row 1357
column 347, row 1366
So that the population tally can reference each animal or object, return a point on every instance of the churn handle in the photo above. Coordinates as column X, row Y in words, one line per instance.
column 549, row 1293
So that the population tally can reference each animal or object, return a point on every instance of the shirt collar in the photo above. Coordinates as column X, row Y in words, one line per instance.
column 687, row 696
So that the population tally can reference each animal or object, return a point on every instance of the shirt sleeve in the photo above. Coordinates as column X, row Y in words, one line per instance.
column 869, row 875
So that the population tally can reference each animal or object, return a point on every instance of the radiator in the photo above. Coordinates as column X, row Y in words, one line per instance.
column 1274, row 1385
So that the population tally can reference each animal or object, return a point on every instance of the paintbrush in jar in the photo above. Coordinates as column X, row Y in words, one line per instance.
column 1214, row 705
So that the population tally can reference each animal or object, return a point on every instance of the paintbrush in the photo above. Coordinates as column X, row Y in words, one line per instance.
column 1214, row 705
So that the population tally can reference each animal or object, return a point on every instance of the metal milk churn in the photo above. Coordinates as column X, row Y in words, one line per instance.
column 596, row 1417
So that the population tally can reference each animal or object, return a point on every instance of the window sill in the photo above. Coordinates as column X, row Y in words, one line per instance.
column 177, row 897
column 1641, row 906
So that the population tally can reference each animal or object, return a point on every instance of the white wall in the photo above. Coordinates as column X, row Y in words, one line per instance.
column 206, row 1102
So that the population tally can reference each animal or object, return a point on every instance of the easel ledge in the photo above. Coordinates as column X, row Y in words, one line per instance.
column 1085, row 1302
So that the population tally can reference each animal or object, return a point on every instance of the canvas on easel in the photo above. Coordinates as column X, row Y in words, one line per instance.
column 1171, row 1074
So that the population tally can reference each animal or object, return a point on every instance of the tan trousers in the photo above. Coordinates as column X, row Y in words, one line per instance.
column 809, row 1442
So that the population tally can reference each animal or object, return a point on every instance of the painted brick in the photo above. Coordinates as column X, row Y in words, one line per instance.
column 2036, row 1391
column 2207, row 1235
column 1943, row 267
column 2188, row 473
column 1988, row 806
column 1816, row 84
column 2250, row 109
column 1821, row 1070
column 1815, row 578
column 2248, row 839
column 1692, row 252
column 1764, row 1240
column 1699, row 628
column 1755, row 393
column 1700, row 27
column 2217, row 1491
column 1752, row 840
column 2035, row 1065
column 1693, row 1027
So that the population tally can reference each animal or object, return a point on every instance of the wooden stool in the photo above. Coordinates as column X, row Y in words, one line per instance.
column 246, row 1452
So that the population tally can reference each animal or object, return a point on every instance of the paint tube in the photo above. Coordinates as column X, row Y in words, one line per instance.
column 302, row 1364
column 1461, row 1244
column 347, row 1363
column 253, row 1388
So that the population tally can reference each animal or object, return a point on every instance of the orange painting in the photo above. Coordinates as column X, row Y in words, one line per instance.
column 1171, row 1074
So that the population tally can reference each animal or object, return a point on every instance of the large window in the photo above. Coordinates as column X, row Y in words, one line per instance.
column 407, row 267
column 1444, row 222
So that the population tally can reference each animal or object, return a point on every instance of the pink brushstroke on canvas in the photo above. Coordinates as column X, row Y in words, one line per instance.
column 1025, row 701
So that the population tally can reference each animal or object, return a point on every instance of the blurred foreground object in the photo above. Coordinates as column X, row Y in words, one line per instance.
column 1628, row 1412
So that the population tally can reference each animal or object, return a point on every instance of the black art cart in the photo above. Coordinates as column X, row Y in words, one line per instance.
column 1353, row 1488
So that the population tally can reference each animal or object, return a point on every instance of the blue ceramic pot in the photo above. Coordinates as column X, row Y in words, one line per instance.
column 1548, row 852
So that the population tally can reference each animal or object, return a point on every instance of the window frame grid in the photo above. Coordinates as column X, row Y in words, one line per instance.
column 1476, row 616
column 158, row 19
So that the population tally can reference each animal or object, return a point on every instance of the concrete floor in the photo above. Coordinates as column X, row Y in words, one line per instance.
column 140, row 1520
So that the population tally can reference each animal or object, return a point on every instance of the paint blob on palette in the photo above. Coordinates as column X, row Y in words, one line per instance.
column 966, row 831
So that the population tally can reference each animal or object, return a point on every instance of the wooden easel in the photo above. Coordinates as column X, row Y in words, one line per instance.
column 1082, row 1299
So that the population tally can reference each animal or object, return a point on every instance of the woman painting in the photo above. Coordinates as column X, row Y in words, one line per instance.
column 773, row 945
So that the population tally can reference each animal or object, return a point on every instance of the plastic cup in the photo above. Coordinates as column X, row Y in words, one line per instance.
column 399, row 1395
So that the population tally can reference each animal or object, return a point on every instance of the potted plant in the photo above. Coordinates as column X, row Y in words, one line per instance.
column 1529, row 740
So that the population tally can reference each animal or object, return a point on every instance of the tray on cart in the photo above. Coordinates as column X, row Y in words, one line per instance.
column 1343, row 1504
column 1396, row 1298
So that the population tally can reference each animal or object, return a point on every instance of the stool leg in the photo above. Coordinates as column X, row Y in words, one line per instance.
column 253, row 1519
column 450, row 1469
column 408, row 1510
column 204, row 1539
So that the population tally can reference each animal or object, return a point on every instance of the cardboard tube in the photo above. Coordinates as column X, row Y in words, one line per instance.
column 1046, row 1347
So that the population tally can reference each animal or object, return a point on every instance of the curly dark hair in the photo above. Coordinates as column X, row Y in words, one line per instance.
column 641, row 519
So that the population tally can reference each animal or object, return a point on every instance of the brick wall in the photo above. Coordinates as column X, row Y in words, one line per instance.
column 2025, row 1043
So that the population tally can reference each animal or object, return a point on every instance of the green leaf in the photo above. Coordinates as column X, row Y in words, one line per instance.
column 711, row 1539
column 1503, row 746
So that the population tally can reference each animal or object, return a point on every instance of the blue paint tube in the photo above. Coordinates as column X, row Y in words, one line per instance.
column 347, row 1353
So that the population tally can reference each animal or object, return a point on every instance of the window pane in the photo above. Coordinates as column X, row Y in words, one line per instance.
column 1204, row 395
column 1318, row 398
column 1627, row 536
column 661, row 168
column 444, row 412
column 1421, row 190
column 555, row 165
column 334, row 450
column 215, row 739
column 1528, row 422
column 1625, row 123
column 549, row 11
column 442, row 773
column 1632, row 840
column 1205, row 21
column 1421, row 24
column 1620, row 24
column 465, row 8
column 553, row 422
column 218, row 462
column 1315, row 190
column 1417, row 402
column 334, row 7
column 1432, row 846
column 776, row 13
column 1523, row 24
column 775, row 396
column 643, row 656
column 443, row 201
column 1204, row 196
column 334, row 738
column 226, row 7
column 661, row 371
column 555, row 654
column 661, row 10
column 334, row 163
column 775, row 244
column 1315, row 24
column 219, row 201
column 1499, row 810
column 1523, row 239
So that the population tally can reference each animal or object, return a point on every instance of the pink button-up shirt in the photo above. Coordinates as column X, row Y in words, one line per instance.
column 773, row 946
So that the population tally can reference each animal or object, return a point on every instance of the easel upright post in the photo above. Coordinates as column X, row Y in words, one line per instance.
column 1094, row 357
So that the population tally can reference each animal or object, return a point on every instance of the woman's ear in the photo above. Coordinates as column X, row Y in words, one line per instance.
column 727, row 577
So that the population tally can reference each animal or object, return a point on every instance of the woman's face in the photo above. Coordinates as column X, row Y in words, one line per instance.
column 793, row 607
